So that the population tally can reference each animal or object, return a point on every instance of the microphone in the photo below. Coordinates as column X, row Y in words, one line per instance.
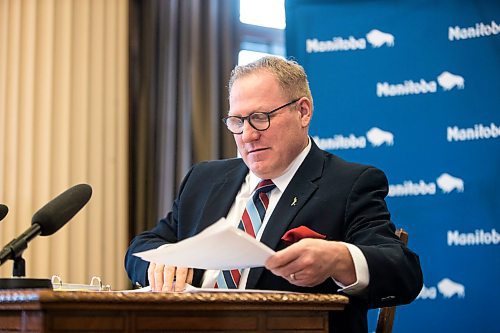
column 54, row 215
column 50, row 218
column 46, row 221
column 3, row 211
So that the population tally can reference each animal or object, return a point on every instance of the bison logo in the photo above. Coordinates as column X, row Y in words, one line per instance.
column 449, row 81
column 377, row 137
column 378, row 38
column 448, row 183
column 450, row 288
column 427, row 293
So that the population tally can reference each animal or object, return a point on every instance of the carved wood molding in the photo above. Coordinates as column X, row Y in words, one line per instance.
column 48, row 296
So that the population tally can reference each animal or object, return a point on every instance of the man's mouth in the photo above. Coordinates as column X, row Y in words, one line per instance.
column 256, row 150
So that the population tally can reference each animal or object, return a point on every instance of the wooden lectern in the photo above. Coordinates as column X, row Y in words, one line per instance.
column 84, row 311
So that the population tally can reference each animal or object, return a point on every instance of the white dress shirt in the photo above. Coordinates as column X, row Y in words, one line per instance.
column 245, row 193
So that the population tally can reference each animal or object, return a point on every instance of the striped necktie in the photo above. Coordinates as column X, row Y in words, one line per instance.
column 250, row 222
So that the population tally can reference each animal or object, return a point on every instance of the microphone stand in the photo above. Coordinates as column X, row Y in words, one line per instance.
column 14, row 251
column 19, row 268
column 18, row 281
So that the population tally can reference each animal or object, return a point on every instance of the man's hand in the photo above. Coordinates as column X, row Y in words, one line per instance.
column 161, row 277
column 310, row 262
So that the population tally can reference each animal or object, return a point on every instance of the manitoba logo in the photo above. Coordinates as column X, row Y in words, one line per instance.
column 375, row 37
column 477, row 132
column 410, row 188
column 375, row 136
column 446, row 287
column 449, row 81
column 339, row 141
column 479, row 30
column 478, row 237
column 335, row 44
column 446, row 80
column 449, row 288
column 446, row 182
column 427, row 293
column 378, row 38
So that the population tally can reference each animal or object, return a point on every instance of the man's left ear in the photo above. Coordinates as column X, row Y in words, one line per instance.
column 305, row 109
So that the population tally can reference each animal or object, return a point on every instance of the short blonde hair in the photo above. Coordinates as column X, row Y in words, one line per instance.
column 290, row 75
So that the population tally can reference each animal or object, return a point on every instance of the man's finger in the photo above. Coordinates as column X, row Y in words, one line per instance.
column 157, row 277
column 180, row 278
column 168, row 278
column 190, row 276
column 283, row 257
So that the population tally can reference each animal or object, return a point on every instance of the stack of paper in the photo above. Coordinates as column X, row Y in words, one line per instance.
column 220, row 246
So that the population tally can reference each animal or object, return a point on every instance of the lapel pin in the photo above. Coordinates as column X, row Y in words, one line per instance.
column 294, row 202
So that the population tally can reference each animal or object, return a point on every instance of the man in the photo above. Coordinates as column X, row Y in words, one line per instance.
column 353, row 248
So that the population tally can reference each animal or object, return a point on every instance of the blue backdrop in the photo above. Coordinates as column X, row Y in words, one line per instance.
column 412, row 87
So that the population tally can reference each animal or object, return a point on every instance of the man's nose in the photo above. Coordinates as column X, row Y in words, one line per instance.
column 249, row 133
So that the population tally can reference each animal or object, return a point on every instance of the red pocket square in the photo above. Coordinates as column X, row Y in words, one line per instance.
column 296, row 234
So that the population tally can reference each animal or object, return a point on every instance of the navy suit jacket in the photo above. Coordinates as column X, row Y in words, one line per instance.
column 342, row 200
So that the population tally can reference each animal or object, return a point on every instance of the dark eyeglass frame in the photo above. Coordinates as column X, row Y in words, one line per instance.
column 248, row 118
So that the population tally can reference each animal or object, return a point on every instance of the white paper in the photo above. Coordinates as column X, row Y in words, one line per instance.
column 220, row 246
column 191, row 289
column 138, row 290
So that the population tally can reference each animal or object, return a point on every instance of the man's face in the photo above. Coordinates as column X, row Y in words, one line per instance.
column 269, row 153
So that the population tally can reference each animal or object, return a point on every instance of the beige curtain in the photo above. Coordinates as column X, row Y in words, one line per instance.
column 181, row 56
column 63, row 121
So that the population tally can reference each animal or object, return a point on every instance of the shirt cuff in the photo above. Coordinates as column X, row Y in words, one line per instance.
column 361, row 269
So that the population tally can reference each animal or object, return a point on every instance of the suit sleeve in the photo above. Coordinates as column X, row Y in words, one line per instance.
column 395, row 273
column 165, row 232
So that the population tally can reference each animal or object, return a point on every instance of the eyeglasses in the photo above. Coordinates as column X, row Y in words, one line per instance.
column 258, row 120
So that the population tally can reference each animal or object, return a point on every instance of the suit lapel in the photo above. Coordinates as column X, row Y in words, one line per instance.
column 295, row 197
column 222, row 194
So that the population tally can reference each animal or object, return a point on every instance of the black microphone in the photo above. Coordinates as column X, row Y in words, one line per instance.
column 3, row 211
column 49, row 219
column 60, row 210
column 46, row 221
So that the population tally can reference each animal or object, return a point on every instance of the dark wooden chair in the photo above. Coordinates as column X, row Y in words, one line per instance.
column 386, row 315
